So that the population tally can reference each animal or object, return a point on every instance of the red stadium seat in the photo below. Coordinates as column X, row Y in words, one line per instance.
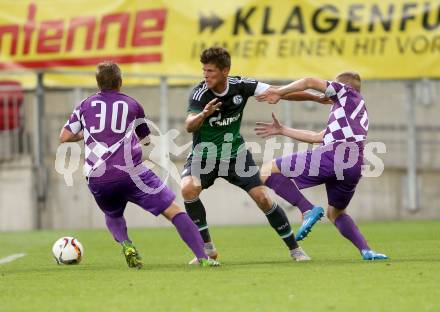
column 11, row 100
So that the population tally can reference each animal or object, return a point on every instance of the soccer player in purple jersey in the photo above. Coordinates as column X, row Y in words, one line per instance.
column 112, row 125
column 336, row 163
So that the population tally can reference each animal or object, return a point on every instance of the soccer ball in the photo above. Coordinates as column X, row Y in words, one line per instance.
column 67, row 250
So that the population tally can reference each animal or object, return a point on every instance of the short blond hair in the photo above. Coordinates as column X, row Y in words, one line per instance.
column 350, row 78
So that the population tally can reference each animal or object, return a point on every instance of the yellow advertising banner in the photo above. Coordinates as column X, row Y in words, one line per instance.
column 267, row 39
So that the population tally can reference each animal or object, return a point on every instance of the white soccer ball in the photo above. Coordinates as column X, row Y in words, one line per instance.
column 67, row 250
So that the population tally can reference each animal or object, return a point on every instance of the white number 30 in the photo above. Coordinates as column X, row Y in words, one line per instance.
column 115, row 114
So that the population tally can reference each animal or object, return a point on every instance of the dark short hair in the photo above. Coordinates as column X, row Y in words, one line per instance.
column 350, row 78
column 108, row 76
column 218, row 56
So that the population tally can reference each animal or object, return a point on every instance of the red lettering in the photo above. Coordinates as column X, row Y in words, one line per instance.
column 13, row 30
column 29, row 28
column 49, row 36
column 122, row 19
column 141, row 33
column 76, row 22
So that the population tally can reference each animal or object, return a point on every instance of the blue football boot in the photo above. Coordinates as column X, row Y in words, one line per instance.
column 310, row 218
column 368, row 254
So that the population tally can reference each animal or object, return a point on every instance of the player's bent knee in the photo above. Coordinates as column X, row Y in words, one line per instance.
column 189, row 190
column 267, row 169
column 173, row 210
column 261, row 197
column 330, row 215
column 333, row 213
column 265, row 202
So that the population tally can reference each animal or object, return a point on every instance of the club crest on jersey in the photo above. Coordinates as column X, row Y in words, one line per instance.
column 237, row 100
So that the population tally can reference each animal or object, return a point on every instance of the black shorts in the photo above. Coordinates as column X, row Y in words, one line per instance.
column 240, row 171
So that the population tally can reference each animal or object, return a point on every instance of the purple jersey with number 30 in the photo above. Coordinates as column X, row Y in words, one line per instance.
column 348, row 119
column 106, row 119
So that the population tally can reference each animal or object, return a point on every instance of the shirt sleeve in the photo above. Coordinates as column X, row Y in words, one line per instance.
column 194, row 102
column 74, row 124
column 142, row 130
column 252, row 87
column 335, row 90
column 261, row 88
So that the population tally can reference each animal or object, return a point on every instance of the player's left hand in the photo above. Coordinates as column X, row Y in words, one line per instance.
column 265, row 129
column 270, row 95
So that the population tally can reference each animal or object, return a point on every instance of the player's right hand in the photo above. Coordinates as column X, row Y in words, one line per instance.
column 211, row 107
column 265, row 129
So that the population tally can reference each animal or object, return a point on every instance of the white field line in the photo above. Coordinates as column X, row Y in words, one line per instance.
column 11, row 258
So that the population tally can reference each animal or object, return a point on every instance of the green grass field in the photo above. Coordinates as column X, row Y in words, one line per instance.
column 257, row 273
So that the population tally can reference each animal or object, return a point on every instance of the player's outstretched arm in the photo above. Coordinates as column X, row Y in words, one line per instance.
column 67, row 136
column 194, row 121
column 265, row 130
column 307, row 136
column 307, row 96
column 273, row 95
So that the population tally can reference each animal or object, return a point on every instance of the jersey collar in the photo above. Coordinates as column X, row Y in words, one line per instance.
column 224, row 92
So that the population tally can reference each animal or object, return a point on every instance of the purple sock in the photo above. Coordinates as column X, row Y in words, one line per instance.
column 288, row 190
column 117, row 227
column 349, row 230
column 189, row 233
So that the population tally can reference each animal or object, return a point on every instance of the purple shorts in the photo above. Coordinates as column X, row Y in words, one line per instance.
column 148, row 191
column 336, row 165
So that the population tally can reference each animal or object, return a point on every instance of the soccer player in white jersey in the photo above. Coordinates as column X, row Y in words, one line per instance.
column 337, row 162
